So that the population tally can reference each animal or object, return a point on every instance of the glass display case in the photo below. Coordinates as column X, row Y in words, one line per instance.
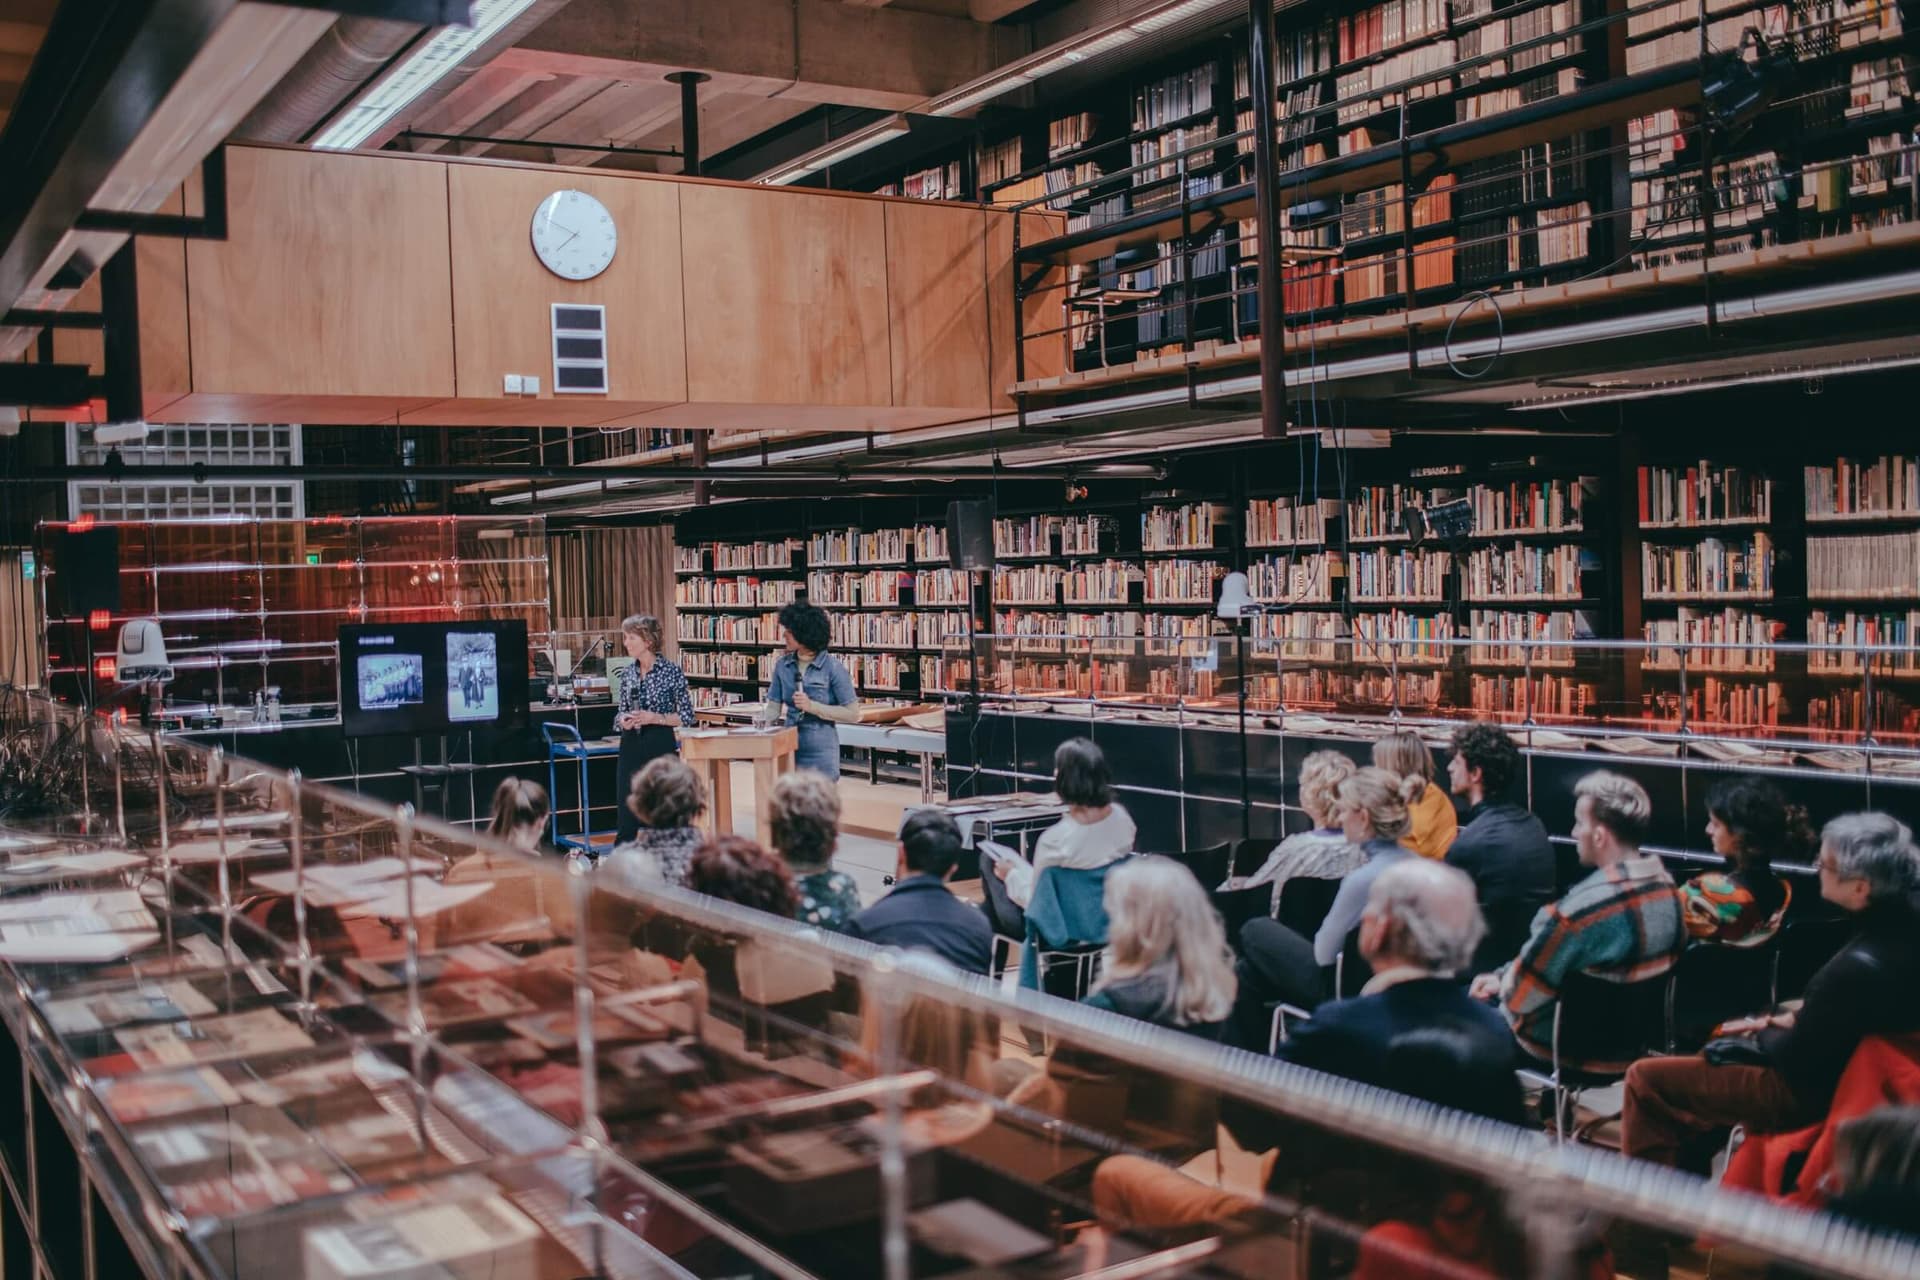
column 251, row 609
column 257, row 1027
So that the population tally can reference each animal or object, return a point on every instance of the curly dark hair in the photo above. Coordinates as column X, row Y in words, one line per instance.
column 667, row 793
column 1766, row 826
column 1487, row 748
column 809, row 626
column 736, row 870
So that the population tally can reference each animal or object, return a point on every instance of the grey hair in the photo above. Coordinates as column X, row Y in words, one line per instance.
column 1158, row 917
column 1432, row 917
column 1874, row 847
column 803, row 819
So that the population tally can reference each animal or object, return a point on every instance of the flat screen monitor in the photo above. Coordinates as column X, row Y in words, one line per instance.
column 432, row 677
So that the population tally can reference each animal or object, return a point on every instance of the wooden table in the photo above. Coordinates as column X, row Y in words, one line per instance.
column 771, row 752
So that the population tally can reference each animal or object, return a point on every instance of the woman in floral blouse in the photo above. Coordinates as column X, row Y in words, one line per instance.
column 803, row 820
column 653, row 700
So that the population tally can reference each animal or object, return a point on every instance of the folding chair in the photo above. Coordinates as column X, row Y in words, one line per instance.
column 1600, row 1021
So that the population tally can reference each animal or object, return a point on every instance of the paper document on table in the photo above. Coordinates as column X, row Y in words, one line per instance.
column 430, row 897
column 333, row 883
column 233, row 822
column 99, row 862
column 106, row 902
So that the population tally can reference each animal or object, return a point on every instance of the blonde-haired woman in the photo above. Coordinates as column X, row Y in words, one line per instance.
column 1404, row 753
column 1374, row 812
column 1324, row 852
column 1167, row 960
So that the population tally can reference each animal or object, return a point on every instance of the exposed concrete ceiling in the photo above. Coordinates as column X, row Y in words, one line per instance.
column 22, row 25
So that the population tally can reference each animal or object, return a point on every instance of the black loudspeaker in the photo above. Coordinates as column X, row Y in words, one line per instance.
column 86, row 572
column 970, row 535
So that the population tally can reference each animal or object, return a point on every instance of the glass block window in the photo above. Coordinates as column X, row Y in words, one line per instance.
column 208, row 444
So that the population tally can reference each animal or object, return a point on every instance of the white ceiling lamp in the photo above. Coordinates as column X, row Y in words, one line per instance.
column 1174, row 13
column 1081, row 52
column 852, row 145
column 414, row 74
column 972, row 96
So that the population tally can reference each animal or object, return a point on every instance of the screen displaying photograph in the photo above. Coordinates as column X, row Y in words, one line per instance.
column 473, row 675
column 392, row 680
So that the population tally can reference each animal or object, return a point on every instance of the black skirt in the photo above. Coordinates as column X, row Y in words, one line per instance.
column 637, row 748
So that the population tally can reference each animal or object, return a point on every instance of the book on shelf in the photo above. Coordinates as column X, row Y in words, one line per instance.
column 1070, row 132
column 708, row 698
column 1713, row 567
column 1302, row 579
column 1552, row 84
column 880, row 670
column 1741, row 627
column 1085, row 535
column 1526, row 571
column 998, row 161
column 1399, row 574
column 1400, row 638
column 1861, row 630
column 1514, row 638
column 1182, row 581
column 1378, row 512
column 941, row 182
column 1531, row 506
column 1032, row 584
column 1175, row 97
column 689, row 560
column 1184, row 528
column 885, row 546
column 834, row 547
column 1107, row 582
column 1031, row 536
column 729, row 556
column 1646, row 54
column 1518, row 697
column 881, row 586
column 827, row 589
column 1869, row 566
column 1703, row 492
column 1860, row 489
column 1718, row 702
column 1286, row 522
column 943, row 586
column 929, row 544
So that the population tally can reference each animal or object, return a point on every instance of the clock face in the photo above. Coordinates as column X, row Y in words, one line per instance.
column 574, row 235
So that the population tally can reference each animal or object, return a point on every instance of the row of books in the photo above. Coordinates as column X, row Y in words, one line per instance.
column 880, row 671
column 1524, row 571
column 1399, row 575
column 703, row 664
column 1388, row 26
column 1411, row 74
column 873, row 630
column 1645, row 18
column 1703, row 492
column 833, row 590
column 1876, row 566
column 1030, row 536
column 942, row 586
column 1285, row 522
column 689, row 560
column 1743, row 191
column 1531, row 506
column 1176, row 97
column 1713, row 627
column 1713, row 568
column 723, row 629
column 1719, row 703
column 1174, row 143
column 1684, row 45
column 1510, row 636
column 941, row 182
column 1070, row 132
column 733, row 593
column 1183, row 528
column 998, row 161
column 1293, row 580
column 1554, row 84
column 708, row 698
column 1510, row 697
column 1085, row 535
column 1900, row 630
column 1861, row 489
column 752, row 555
column 1182, row 581
column 1847, row 712
column 1660, row 138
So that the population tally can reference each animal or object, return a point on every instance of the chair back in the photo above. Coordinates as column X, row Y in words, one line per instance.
column 1003, row 913
column 1249, row 854
column 1805, row 945
column 1237, row 906
column 1606, row 1025
column 1209, row 865
column 1304, row 903
column 1068, row 913
column 1714, row 982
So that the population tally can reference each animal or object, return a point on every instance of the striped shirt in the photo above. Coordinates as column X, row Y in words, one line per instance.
column 1620, row 924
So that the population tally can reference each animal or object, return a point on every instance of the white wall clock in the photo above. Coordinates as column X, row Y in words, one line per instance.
column 574, row 235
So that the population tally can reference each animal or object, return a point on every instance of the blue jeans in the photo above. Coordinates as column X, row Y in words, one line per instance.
column 819, row 747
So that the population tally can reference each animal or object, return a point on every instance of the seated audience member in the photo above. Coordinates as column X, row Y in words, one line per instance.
column 1502, row 846
column 919, row 911
column 803, row 825
column 1621, row 924
column 1418, row 931
column 1277, row 964
column 737, row 870
column 1412, row 1030
column 1095, row 831
column 1323, row 853
column 1404, row 754
column 1876, row 1170
column 1678, row 1108
column 1750, row 824
column 1167, row 959
column 520, row 813
column 668, row 799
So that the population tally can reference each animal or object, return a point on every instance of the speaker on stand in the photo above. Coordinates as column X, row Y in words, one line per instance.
column 970, row 548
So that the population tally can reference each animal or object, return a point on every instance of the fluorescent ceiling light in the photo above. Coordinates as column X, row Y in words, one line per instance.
column 815, row 161
column 419, row 71
column 1167, row 17
column 995, row 88
column 1650, row 390
column 1081, row 52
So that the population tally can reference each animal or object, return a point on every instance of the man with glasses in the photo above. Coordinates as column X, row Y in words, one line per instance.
column 1781, row 1073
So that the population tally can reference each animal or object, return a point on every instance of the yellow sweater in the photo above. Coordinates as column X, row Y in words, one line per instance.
column 1434, row 824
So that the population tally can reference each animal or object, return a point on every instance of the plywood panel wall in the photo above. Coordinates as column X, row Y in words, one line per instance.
column 937, row 304
column 335, row 277
column 786, row 297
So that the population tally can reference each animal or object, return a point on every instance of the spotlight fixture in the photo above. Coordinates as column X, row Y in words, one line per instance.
column 1737, row 88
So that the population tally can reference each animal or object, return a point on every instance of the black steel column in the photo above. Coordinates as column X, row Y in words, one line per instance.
column 1266, row 196
column 120, row 309
column 689, row 82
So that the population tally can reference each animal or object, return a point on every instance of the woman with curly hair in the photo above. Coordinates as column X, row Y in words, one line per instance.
column 1750, row 824
column 813, row 688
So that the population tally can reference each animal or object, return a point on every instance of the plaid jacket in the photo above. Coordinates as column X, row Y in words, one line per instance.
column 1620, row 924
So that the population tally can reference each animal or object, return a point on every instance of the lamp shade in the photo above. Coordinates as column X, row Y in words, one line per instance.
column 142, row 655
column 1235, row 598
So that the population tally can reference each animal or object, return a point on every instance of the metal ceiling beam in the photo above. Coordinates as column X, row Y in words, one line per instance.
column 719, row 473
